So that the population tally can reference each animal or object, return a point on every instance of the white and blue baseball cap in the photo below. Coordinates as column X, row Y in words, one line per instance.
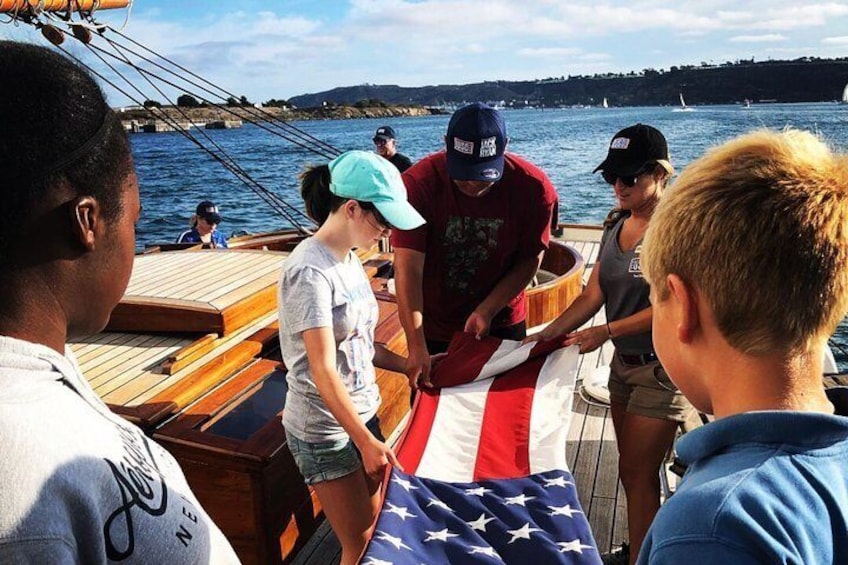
column 476, row 143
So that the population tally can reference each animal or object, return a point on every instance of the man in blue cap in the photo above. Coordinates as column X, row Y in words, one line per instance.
column 385, row 143
column 488, row 215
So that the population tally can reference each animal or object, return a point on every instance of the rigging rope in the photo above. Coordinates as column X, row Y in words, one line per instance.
column 262, row 119
column 271, row 198
column 266, row 115
column 325, row 153
column 278, row 204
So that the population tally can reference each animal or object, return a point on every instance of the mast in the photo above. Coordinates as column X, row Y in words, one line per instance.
column 13, row 6
column 682, row 102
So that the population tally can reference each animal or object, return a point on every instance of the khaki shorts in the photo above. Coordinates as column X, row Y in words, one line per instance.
column 646, row 390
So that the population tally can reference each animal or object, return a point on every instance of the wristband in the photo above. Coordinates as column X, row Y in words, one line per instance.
column 609, row 331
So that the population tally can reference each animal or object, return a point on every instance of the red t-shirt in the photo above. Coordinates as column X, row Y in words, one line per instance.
column 471, row 243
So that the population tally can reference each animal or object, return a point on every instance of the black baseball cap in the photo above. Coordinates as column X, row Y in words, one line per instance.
column 209, row 212
column 633, row 148
column 384, row 133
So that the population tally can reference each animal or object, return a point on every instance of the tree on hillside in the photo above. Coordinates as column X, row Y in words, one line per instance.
column 187, row 101
column 232, row 102
column 274, row 103
column 152, row 104
column 243, row 101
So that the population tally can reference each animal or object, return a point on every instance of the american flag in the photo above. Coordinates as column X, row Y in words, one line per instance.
column 486, row 479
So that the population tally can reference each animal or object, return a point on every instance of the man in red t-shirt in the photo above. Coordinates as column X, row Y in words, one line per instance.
column 488, row 214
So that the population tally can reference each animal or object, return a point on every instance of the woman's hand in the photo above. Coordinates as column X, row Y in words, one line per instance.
column 547, row 334
column 375, row 456
column 589, row 339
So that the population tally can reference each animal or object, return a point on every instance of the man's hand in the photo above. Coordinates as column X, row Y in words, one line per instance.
column 418, row 367
column 478, row 324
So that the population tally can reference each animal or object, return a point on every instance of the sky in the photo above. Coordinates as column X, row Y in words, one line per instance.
column 282, row 48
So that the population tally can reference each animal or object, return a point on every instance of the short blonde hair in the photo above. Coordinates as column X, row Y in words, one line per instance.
column 759, row 225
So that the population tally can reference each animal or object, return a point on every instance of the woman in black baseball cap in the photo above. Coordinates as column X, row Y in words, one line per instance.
column 646, row 406
column 204, row 227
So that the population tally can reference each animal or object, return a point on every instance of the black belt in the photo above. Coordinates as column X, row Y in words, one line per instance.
column 637, row 359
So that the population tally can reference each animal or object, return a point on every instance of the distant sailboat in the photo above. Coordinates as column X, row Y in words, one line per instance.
column 683, row 107
column 845, row 95
column 604, row 103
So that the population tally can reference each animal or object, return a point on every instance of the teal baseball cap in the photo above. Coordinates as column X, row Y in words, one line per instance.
column 368, row 177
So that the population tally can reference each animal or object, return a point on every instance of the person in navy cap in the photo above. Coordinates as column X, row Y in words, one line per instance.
column 204, row 227
column 646, row 407
column 385, row 143
column 488, row 215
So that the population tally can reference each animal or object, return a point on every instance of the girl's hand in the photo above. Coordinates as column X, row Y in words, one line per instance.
column 375, row 456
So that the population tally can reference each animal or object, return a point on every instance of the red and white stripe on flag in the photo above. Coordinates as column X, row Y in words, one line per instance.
column 509, row 419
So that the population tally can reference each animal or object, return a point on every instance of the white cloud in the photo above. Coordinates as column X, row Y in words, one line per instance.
column 766, row 38
column 842, row 40
column 549, row 52
column 293, row 47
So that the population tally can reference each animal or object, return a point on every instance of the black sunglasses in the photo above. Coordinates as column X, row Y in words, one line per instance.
column 381, row 220
column 627, row 180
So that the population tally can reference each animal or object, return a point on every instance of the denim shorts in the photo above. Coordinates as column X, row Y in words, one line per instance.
column 329, row 460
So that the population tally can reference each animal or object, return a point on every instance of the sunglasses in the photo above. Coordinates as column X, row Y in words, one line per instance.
column 380, row 141
column 382, row 223
column 627, row 180
column 381, row 220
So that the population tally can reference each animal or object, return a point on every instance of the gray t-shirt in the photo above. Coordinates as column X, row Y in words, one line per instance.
column 80, row 485
column 624, row 287
column 317, row 290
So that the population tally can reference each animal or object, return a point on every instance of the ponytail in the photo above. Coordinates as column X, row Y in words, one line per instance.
column 315, row 191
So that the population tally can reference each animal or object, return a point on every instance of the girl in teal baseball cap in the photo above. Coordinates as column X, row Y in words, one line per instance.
column 328, row 315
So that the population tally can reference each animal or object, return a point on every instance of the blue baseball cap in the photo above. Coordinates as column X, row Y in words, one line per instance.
column 476, row 143
column 368, row 177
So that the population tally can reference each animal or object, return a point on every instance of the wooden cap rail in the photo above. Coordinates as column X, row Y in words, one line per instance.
column 203, row 291
column 148, row 377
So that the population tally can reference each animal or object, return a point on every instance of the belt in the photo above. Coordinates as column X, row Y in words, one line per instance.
column 637, row 359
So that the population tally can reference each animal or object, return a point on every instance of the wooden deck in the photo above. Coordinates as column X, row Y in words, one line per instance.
column 592, row 454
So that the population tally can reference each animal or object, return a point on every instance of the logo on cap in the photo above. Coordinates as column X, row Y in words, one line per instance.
column 488, row 147
column 620, row 143
column 490, row 174
column 464, row 147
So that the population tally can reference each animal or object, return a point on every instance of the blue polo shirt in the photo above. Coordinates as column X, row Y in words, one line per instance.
column 193, row 236
column 762, row 487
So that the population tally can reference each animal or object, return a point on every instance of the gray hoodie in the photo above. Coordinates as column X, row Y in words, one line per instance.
column 79, row 484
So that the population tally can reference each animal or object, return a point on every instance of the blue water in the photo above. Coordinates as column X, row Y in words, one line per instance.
column 567, row 143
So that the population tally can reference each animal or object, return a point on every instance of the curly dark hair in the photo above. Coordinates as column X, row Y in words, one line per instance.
column 51, row 109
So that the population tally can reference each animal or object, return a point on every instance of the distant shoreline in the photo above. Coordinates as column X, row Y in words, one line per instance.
column 252, row 114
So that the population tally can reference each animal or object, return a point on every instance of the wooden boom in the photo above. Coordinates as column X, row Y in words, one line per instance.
column 12, row 6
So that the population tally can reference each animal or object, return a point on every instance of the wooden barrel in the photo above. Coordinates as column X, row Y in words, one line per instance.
column 547, row 300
